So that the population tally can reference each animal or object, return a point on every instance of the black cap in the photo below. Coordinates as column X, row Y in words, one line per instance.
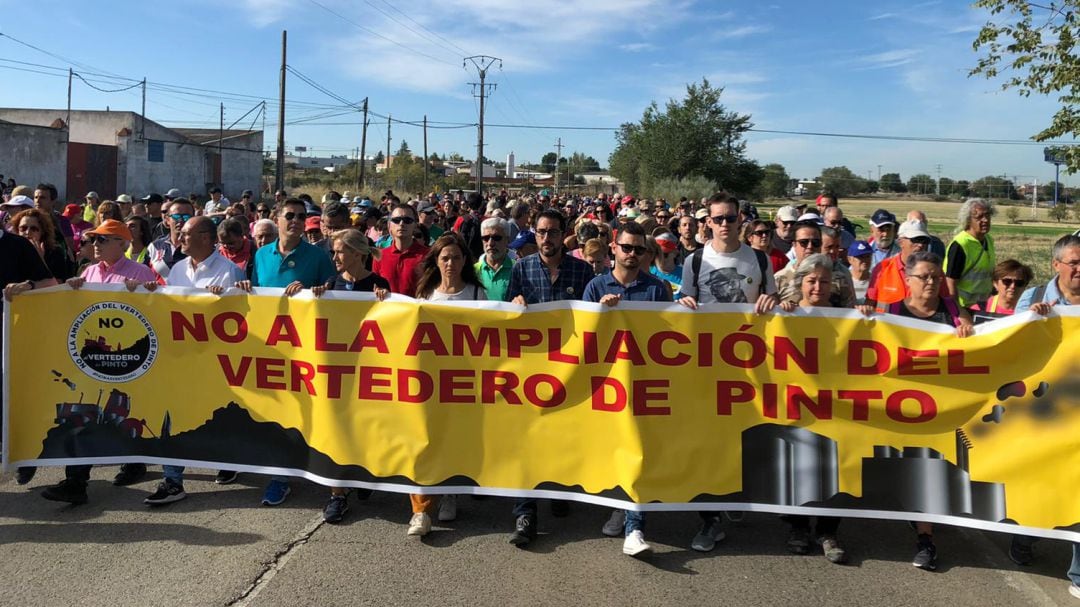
column 281, row 193
column 215, row 190
column 152, row 198
column 247, row 194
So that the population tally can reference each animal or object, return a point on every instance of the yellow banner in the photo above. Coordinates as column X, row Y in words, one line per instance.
column 643, row 406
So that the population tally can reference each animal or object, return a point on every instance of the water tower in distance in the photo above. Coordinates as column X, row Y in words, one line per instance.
column 511, row 171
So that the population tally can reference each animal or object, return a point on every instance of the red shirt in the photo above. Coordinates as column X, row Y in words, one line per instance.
column 779, row 260
column 399, row 268
column 242, row 257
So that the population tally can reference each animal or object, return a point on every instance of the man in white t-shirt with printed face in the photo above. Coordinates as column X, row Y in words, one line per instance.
column 729, row 271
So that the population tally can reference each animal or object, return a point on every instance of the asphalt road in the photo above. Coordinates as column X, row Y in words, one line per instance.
column 220, row 547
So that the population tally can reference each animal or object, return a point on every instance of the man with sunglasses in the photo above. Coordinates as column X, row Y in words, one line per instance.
column 293, row 264
column 888, row 279
column 494, row 267
column 165, row 252
column 399, row 261
column 428, row 215
column 109, row 240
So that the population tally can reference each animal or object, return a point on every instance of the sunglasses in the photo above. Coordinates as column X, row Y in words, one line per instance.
column 663, row 217
column 1009, row 282
column 493, row 237
column 402, row 219
column 181, row 217
column 94, row 239
column 760, row 233
column 629, row 248
column 263, row 211
column 292, row 215
column 924, row 241
column 809, row 242
column 719, row 219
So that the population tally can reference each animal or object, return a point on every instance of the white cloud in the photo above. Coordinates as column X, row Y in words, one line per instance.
column 265, row 12
column 883, row 16
column 741, row 32
column 893, row 58
column 637, row 47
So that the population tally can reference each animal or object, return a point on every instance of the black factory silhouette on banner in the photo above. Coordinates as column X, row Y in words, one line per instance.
column 782, row 465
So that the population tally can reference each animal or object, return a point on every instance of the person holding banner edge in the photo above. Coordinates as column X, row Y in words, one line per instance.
column 627, row 281
column 291, row 263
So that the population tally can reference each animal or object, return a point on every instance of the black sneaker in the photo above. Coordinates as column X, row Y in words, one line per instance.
column 335, row 509
column 25, row 474
column 524, row 531
column 72, row 492
column 560, row 508
column 226, row 477
column 798, row 541
column 167, row 492
column 926, row 555
column 129, row 474
column 1021, row 551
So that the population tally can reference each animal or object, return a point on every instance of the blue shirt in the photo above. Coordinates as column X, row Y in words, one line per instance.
column 645, row 287
column 306, row 263
column 1052, row 294
column 530, row 279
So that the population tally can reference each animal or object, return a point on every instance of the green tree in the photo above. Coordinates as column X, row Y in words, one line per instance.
column 1059, row 213
column 692, row 136
column 774, row 182
column 379, row 158
column 993, row 187
column 694, row 188
column 890, row 182
column 549, row 161
column 1033, row 45
column 921, row 184
column 403, row 151
column 455, row 157
column 842, row 181
column 962, row 188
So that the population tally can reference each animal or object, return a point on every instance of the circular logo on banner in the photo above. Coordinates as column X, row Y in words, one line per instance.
column 112, row 342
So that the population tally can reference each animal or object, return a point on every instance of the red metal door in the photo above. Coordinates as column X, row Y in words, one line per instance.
column 91, row 167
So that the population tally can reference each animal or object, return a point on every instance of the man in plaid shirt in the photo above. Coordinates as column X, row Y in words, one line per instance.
column 549, row 275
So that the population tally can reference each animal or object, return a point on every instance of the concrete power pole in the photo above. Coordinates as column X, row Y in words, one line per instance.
column 425, row 154
column 363, row 150
column 558, row 154
column 481, row 63
column 386, row 163
column 937, row 189
column 279, row 177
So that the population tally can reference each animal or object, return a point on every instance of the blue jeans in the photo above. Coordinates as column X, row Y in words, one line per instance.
column 174, row 474
column 525, row 506
column 1074, row 567
column 635, row 521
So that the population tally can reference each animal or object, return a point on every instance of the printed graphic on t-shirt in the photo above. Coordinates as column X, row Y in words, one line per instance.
column 725, row 285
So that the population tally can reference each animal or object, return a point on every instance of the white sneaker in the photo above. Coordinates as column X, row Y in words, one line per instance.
column 634, row 544
column 447, row 508
column 419, row 524
column 1074, row 590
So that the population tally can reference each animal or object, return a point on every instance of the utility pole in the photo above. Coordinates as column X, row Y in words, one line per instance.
column 279, row 178
column 220, row 140
column 481, row 63
column 879, row 173
column 425, row 154
column 363, row 150
column 558, row 154
column 386, row 163
column 142, row 116
column 937, row 189
column 67, row 127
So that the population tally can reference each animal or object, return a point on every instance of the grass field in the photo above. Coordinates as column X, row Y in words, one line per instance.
column 1029, row 242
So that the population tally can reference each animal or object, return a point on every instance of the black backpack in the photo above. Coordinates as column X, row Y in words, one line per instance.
column 470, row 232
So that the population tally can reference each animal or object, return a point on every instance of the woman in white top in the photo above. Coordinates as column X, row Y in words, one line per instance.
column 447, row 273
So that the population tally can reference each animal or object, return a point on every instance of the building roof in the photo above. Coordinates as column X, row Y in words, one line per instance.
column 205, row 136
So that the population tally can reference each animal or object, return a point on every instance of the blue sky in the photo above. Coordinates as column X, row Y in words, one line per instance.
column 884, row 68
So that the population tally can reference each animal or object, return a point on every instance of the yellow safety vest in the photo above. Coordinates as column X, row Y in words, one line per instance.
column 976, row 281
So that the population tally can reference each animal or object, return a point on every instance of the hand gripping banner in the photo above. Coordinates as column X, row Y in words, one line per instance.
column 642, row 406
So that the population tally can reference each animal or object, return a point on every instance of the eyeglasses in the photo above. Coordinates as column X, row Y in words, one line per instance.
column 23, row 229
column 554, row 233
column 402, row 219
column 719, row 219
column 1009, row 282
column 181, row 217
column 760, row 233
column 807, row 243
column 629, row 248
column 1072, row 264
column 95, row 239
column 928, row 278
column 492, row 237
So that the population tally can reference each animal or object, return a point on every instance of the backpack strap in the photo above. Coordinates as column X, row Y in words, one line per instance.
column 763, row 264
column 954, row 311
column 695, row 264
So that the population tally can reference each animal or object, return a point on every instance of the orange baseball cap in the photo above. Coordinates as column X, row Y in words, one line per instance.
column 112, row 227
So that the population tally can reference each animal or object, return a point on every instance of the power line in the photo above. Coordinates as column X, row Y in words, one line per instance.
column 119, row 90
column 377, row 34
column 436, row 34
